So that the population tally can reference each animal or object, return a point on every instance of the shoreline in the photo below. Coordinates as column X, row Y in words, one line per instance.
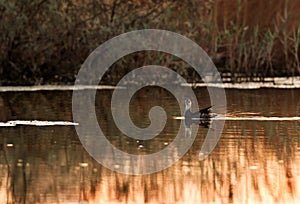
column 276, row 82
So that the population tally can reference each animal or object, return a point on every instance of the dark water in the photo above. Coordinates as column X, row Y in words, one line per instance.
column 255, row 161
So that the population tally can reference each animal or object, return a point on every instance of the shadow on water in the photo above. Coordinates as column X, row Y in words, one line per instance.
column 254, row 161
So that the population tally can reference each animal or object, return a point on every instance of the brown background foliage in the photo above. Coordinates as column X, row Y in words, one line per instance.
column 44, row 42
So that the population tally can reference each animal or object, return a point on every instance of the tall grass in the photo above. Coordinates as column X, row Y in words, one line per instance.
column 46, row 42
column 262, row 48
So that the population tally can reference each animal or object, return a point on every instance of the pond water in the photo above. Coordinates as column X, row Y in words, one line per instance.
column 255, row 161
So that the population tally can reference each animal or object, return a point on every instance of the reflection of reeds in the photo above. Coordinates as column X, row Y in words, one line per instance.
column 244, row 170
column 254, row 162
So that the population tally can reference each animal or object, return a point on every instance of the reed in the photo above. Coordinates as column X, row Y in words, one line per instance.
column 46, row 42
column 295, row 49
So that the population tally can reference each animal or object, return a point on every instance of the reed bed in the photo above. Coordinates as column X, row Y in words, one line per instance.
column 46, row 42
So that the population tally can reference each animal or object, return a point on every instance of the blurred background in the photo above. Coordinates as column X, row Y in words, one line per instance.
column 45, row 42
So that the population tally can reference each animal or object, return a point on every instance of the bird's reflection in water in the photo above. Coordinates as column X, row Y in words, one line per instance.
column 206, row 123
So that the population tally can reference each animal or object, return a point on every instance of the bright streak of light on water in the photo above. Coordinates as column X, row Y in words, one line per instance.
column 13, row 123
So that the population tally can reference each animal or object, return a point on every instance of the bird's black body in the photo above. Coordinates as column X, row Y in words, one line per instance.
column 202, row 114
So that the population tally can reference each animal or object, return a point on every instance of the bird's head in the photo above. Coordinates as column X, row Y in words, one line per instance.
column 188, row 104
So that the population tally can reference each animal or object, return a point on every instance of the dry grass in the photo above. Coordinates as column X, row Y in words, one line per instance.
column 43, row 42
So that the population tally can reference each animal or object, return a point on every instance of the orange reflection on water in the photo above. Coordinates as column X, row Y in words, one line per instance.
column 246, row 167
column 254, row 162
column 243, row 169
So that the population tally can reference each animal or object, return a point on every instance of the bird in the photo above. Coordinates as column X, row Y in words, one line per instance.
column 203, row 114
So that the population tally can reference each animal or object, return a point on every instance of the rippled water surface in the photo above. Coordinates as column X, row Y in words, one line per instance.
column 255, row 161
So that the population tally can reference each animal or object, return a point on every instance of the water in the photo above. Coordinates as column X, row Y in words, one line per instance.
column 255, row 161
